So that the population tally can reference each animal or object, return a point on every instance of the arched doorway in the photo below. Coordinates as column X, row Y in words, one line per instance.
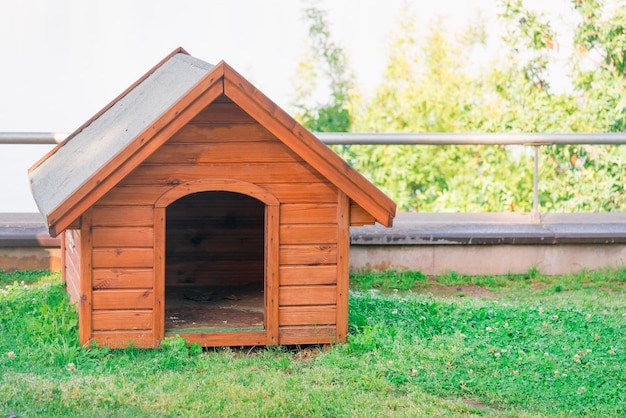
column 214, row 263
column 251, row 198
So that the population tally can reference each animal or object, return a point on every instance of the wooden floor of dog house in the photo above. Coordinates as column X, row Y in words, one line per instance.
column 214, row 308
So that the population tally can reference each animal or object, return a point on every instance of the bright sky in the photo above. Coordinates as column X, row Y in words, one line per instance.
column 63, row 60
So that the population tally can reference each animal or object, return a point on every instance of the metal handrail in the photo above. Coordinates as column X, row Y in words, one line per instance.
column 32, row 138
column 350, row 138
column 438, row 138
column 441, row 138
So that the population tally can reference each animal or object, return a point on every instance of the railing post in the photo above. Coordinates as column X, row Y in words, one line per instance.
column 535, row 216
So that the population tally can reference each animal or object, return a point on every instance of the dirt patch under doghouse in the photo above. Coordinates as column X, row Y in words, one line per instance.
column 215, row 308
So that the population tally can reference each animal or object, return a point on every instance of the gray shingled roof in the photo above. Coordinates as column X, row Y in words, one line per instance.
column 62, row 174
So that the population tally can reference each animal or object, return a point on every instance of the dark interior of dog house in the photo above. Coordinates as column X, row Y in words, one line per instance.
column 214, row 266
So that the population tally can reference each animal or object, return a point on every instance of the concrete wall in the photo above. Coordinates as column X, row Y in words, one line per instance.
column 489, row 259
column 30, row 258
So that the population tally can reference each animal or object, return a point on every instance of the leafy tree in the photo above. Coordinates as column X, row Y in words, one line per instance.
column 600, row 62
column 427, row 87
column 573, row 178
column 324, row 59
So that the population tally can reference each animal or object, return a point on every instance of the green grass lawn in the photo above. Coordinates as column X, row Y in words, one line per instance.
column 518, row 345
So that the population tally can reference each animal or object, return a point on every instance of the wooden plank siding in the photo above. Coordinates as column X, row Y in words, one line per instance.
column 127, row 299
column 71, row 263
column 122, row 216
column 299, row 275
column 308, row 255
column 175, row 174
column 316, row 334
column 359, row 217
column 220, row 142
column 308, row 281
column 223, row 152
column 111, row 237
column 122, row 272
column 308, row 233
column 124, row 338
column 308, row 213
column 122, row 278
column 115, row 320
column 307, row 315
column 199, row 132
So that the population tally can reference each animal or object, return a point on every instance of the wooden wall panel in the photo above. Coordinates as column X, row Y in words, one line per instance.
column 358, row 216
column 223, row 113
column 319, row 192
column 72, row 282
column 197, row 132
column 123, row 339
column 122, row 320
column 212, row 248
column 133, row 216
column 307, row 315
column 219, row 152
column 71, row 261
column 312, row 275
column 192, row 271
column 307, row 295
column 173, row 175
column 73, row 292
column 308, row 255
column 322, row 334
column 308, row 213
column 122, row 299
column 132, row 196
column 72, row 269
column 122, row 257
column 119, row 278
column 308, row 234
column 73, row 241
column 129, row 237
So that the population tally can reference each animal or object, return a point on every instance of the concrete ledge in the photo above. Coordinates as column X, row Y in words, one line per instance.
column 492, row 243
column 433, row 243
column 25, row 230
column 25, row 243
column 495, row 229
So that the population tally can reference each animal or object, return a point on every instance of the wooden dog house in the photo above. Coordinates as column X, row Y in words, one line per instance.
column 193, row 205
